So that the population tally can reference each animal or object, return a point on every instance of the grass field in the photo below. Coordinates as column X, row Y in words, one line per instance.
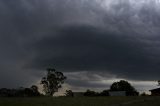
column 84, row 101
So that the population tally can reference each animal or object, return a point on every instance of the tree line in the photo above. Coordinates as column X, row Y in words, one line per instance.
column 20, row 92
column 122, row 85
column 54, row 80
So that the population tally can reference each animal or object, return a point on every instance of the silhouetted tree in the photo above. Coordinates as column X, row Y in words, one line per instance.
column 4, row 92
column 21, row 92
column 69, row 93
column 104, row 93
column 124, row 86
column 52, row 82
column 90, row 93
column 35, row 91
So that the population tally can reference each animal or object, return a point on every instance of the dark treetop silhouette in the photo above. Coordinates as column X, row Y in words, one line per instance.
column 53, row 81
column 123, row 85
column 20, row 92
column 69, row 93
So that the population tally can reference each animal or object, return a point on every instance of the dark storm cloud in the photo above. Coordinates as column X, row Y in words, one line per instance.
column 105, row 36
column 92, row 49
column 88, row 48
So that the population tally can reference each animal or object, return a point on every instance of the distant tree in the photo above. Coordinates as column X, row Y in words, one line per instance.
column 4, row 92
column 104, row 93
column 69, row 93
column 53, row 81
column 123, row 86
column 90, row 93
column 21, row 92
column 35, row 91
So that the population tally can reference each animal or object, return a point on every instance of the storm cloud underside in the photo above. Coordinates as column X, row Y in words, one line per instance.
column 99, row 38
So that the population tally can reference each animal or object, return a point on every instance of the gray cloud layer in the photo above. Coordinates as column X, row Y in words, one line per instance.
column 120, row 37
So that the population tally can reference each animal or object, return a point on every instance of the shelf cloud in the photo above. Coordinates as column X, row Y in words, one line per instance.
column 99, row 38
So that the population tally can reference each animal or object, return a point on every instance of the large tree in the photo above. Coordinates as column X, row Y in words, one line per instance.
column 53, row 81
column 123, row 85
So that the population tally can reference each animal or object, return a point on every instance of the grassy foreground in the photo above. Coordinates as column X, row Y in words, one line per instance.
column 84, row 101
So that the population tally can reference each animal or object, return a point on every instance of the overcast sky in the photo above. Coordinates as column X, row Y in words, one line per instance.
column 94, row 42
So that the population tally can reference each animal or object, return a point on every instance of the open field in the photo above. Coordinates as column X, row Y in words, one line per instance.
column 84, row 101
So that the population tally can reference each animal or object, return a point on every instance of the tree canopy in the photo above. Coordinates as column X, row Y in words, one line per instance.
column 69, row 93
column 123, row 85
column 53, row 81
